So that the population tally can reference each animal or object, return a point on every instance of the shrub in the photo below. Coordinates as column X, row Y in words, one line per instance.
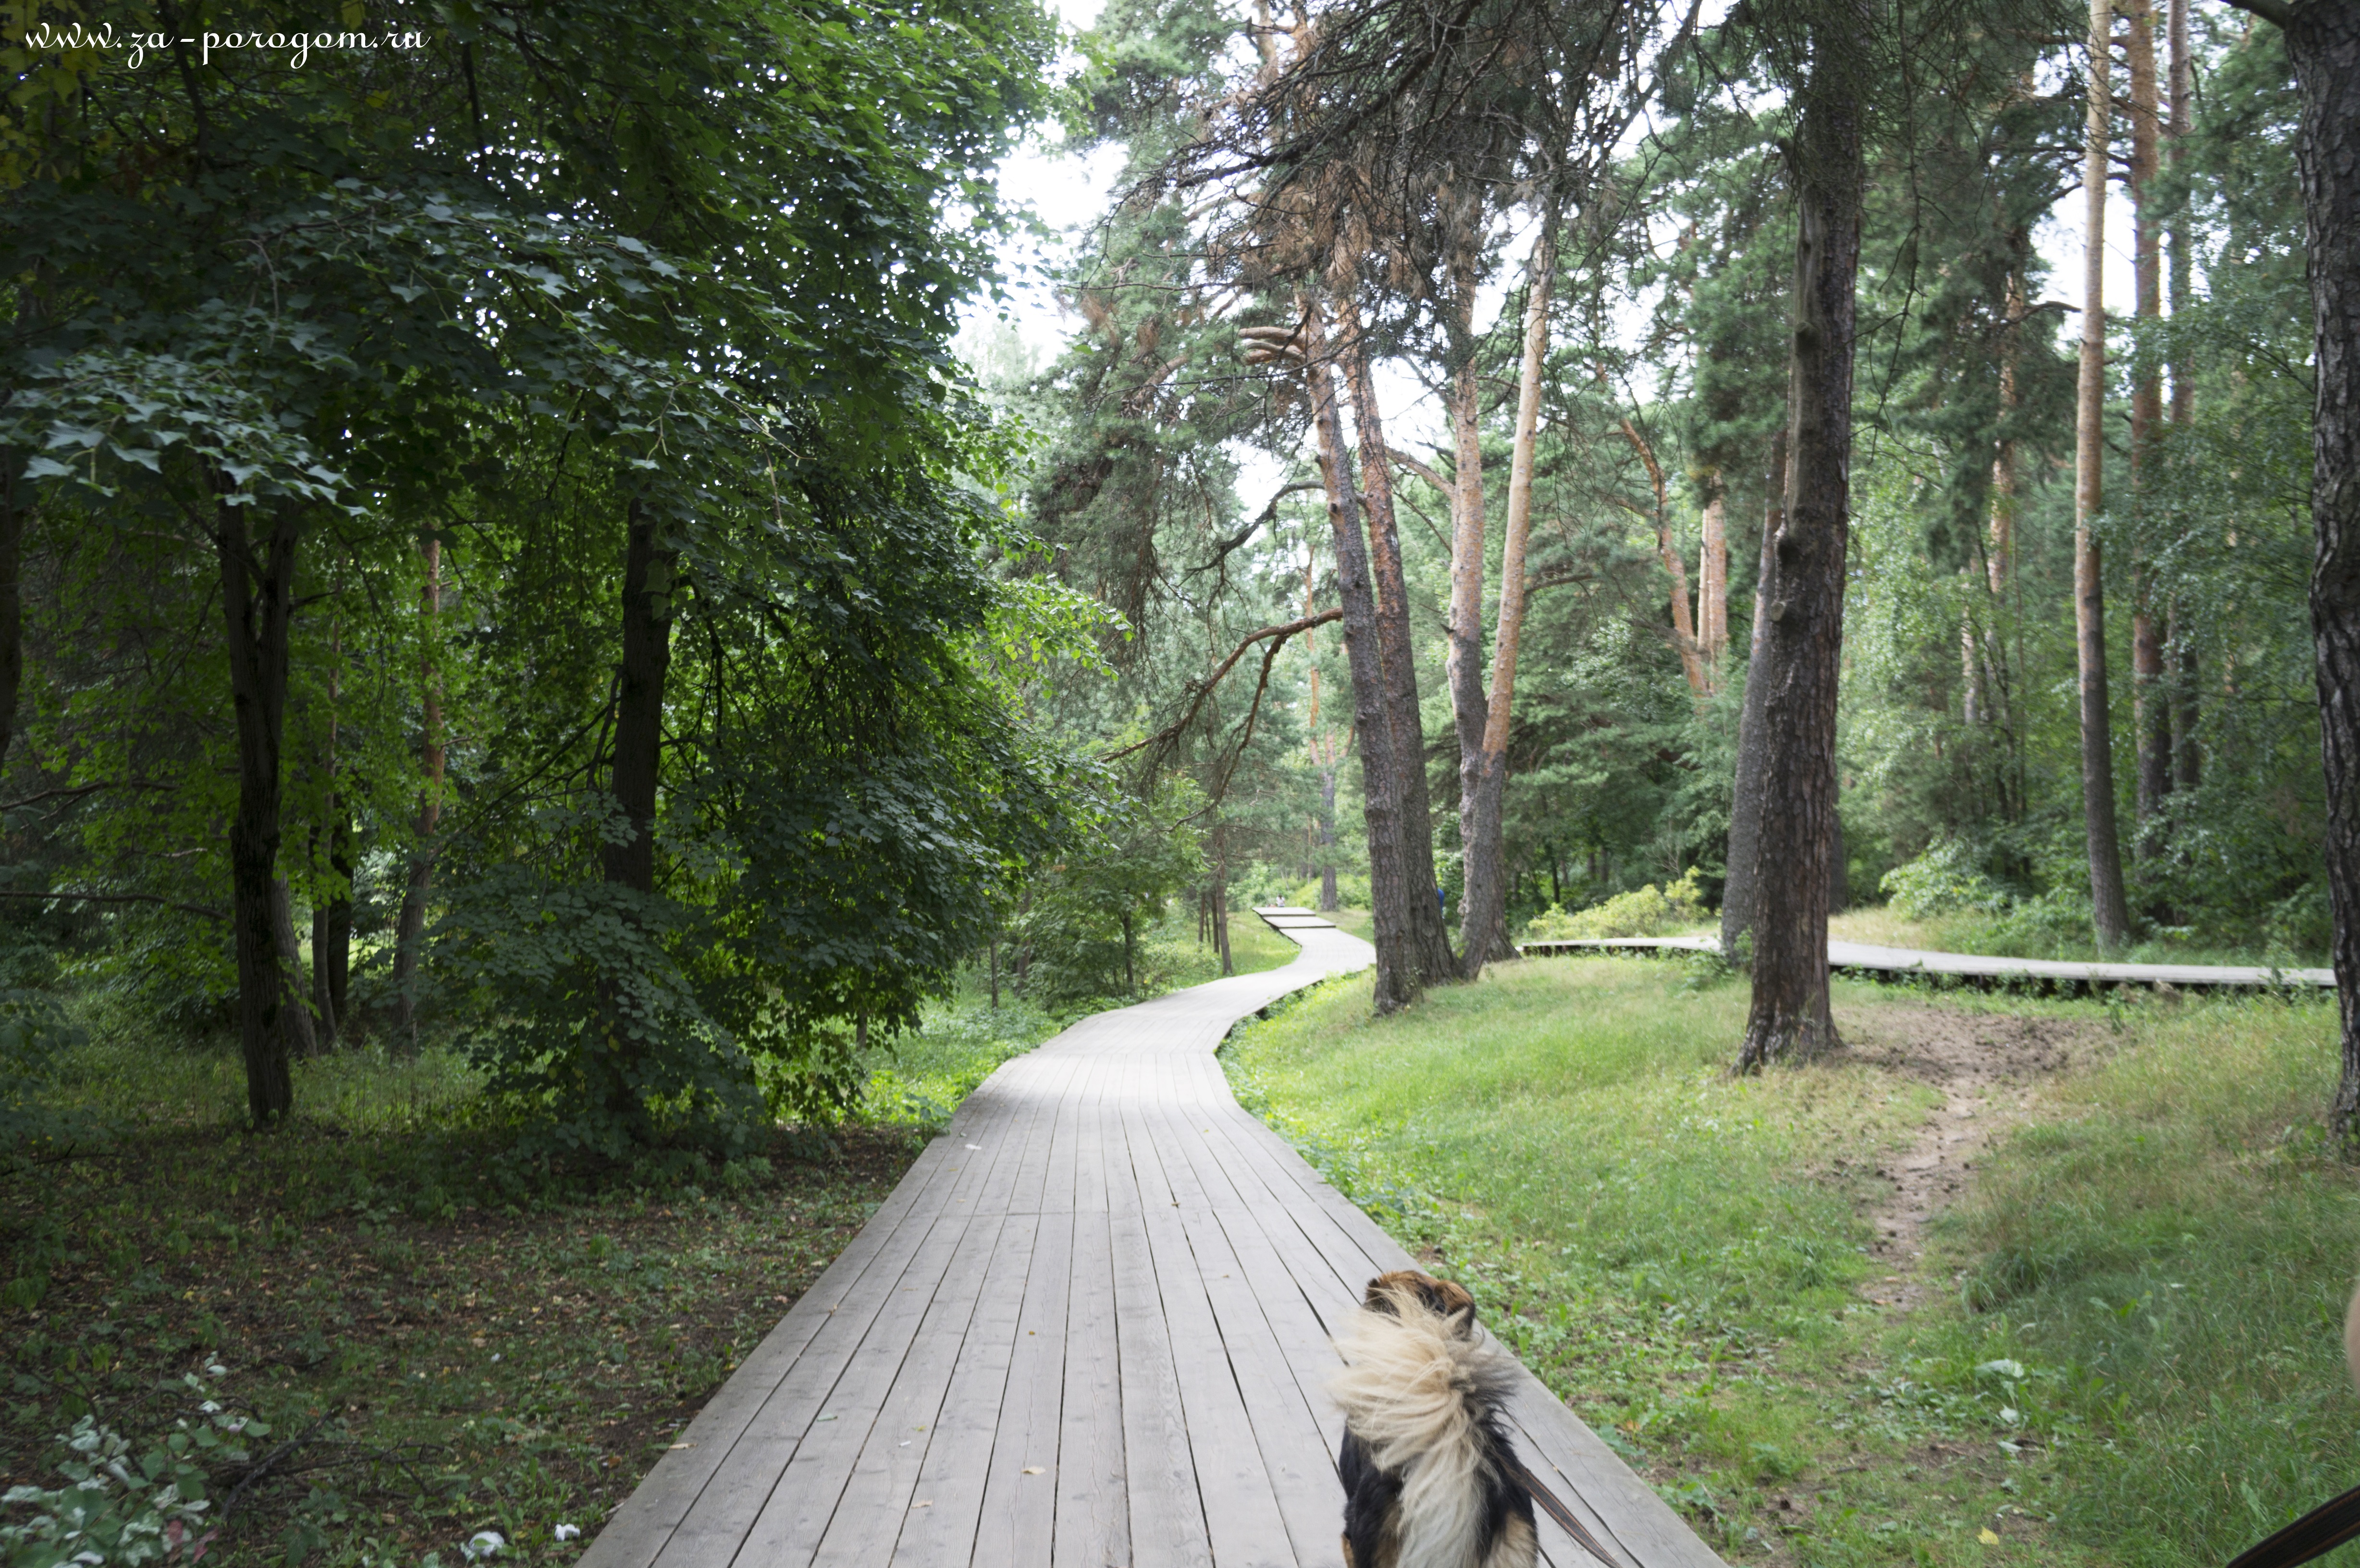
column 1947, row 879
column 1650, row 912
column 33, row 1034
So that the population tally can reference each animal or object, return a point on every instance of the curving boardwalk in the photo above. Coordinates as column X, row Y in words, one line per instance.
column 1089, row 1330
column 2056, row 973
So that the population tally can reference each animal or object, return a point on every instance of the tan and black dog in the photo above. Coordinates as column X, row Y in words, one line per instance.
column 1429, row 1478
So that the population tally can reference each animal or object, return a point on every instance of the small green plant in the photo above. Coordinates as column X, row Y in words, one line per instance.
column 119, row 1508
column 1649, row 911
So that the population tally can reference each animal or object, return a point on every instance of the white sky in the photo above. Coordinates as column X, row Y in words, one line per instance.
column 1070, row 191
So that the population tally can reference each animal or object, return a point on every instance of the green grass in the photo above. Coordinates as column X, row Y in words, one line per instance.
column 460, row 1340
column 2162, row 1262
column 455, row 1342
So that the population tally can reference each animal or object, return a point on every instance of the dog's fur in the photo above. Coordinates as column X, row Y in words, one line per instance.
column 1428, row 1481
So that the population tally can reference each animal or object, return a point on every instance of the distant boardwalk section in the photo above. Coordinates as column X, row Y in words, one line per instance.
column 1090, row 1329
column 1903, row 962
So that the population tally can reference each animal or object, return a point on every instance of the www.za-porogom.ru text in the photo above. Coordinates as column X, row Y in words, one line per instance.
column 139, row 48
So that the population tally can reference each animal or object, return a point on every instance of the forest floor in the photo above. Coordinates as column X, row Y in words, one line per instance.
column 438, row 1339
column 2002, row 1280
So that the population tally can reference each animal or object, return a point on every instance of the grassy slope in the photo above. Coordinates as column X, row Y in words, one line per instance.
column 1683, row 1256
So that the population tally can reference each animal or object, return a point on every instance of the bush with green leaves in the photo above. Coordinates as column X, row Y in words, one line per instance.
column 33, row 1034
column 1080, row 934
column 1647, row 911
column 1947, row 879
column 121, row 1506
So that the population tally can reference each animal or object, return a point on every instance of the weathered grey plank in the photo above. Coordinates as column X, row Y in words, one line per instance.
column 1093, row 1524
column 875, row 1497
column 939, row 1525
column 1167, row 1516
column 1975, row 965
column 1018, row 1522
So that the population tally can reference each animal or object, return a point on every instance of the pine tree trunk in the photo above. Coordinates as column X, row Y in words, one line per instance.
column 1397, row 983
column 410, row 926
column 1801, row 656
column 2109, row 915
column 1712, row 581
column 1483, row 930
column 2150, row 699
column 259, row 600
column 2188, row 762
column 1329, row 903
column 1683, row 635
column 1429, row 938
column 2323, row 42
column 1745, row 787
column 1468, row 704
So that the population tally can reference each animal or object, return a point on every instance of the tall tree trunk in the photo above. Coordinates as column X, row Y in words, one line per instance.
column 2108, row 913
column 2188, row 763
column 638, row 769
column 11, row 605
column 1712, row 581
column 332, row 936
column 1801, row 657
column 1397, row 983
column 331, row 925
column 648, row 569
column 1329, row 901
column 1483, row 928
column 2150, row 699
column 409, row 926
column 1322, row 748
column 294, row 1005
column 1429, row 938
column 1745, row 787
column 1465, row 656
column 259, row 600
column 1684, row 637
column 2322, row 40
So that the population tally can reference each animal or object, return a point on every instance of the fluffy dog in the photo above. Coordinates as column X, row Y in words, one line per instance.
column 1429, row 1479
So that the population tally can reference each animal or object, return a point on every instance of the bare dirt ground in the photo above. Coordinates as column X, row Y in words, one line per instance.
column 1985, row 1065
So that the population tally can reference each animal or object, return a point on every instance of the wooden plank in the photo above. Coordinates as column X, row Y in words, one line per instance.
column 1167, row 1516
column 1093, row 1520
column 939, row 1525
column 741, row 1487
column 1017, row 1524
column 640, row 1528
column 876, row 1496
column 1298, row 1462
column 1243, row 1521
column 1912, row 960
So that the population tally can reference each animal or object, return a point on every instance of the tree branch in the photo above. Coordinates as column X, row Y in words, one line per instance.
column 2273, row 11
column 1200, row 690
column 120, row 898
column 1222, row 550
column 1423, row 471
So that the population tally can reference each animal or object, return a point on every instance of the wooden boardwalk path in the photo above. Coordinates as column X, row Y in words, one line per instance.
column 2053, row 974
column 1090, row 1329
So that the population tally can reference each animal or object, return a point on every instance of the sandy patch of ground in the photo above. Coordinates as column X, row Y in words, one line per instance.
column 1985, row 1065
